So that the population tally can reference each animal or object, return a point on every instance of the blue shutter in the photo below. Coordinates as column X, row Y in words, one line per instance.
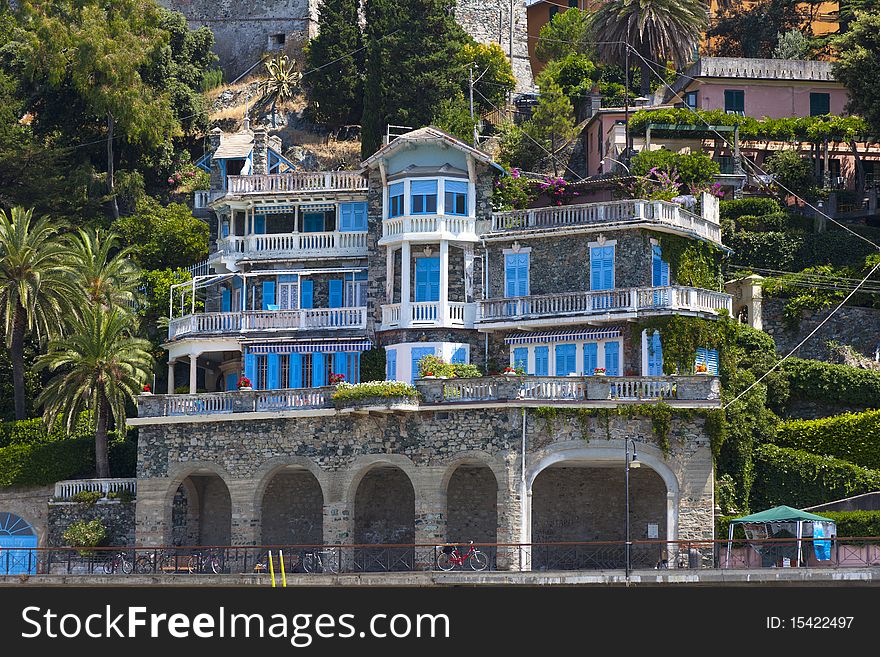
column 612, row 358
column 712, row 361
column 268, row 294
column 260, row 224
column 542, row 361
column 335, row 293
column 359, row 216
column 318, row 370
column 659, row 269
column 521, row 358
column 339, row 364
column 427, row 279
column 273, row 371
column 250, row 368
column 225, row 229
column 346, row 217
column 391, row 364
column 231, row 381
column 306, row 289
column 295, row 377
column 655, row 355
column 456, row 186
column 565, row 359
column 423, row 187
column 602, row 268
column 225, row 300
column 591, row 357
column 509, row 276
column 459, row 356
column 516, row 274
column 417, row 354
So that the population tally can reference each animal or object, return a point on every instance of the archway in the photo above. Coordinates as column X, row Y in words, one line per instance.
column 292, row 509
column 201, row 511
column 384, row 514
column 17, row 540
column 584, row 504
column 472, row 506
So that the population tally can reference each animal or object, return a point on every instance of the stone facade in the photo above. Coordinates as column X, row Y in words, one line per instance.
column 117, row 517
column 29, row 503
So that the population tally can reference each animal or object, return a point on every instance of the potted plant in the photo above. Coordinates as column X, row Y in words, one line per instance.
column 244, row 383
column 701, row 369
column 599, row 371
column 512, row 371
column 147, row 389
column 336, row 379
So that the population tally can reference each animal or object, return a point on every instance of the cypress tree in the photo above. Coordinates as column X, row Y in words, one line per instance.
column 335, row 89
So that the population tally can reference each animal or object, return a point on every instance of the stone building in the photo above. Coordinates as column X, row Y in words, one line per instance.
column 405, row 255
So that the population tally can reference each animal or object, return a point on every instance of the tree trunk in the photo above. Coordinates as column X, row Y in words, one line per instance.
column 19, row 324
column 111, row 187
column 102, row 460
column 273, row 114
column 645, row 86
column 860, row 168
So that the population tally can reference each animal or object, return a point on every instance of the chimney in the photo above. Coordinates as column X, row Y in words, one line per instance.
column 595, row 98
column 215, row 137
column 246, row 123
column 261, row 152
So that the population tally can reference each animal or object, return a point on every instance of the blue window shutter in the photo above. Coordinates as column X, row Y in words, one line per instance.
column 509, row 275
column 273, row 371
column 260, row 224
column 346, row 216
column 521, row 357
column 428, row 279
column 231, row 381
column 396, row 189
column 542, row 361
column 340, row 364
column 268, row 294
column 296, row 375
column 656, row 266
column 318, row 367
column 423, row 187
column 457, row 186
column 608, row 273
column 417, row 354
column 602, row 268
column 225, row 229
column 459, row 356
column 612, row 358
column 591, row 351
column 335, row 293
column 565, row 359
column 655, row 355
column 391, row 364
column 225, row 300
column 712, row 361
column 250, row 368
column 523, row 275
column 359, row 216
column 306, row 289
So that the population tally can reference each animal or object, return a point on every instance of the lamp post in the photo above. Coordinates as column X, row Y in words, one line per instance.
column 630, row 463
column 602, row 162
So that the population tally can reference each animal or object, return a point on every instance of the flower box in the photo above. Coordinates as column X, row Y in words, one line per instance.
column 599, row 371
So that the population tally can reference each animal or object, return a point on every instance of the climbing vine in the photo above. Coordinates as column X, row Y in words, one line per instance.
column 691, row 262
column 681, row 336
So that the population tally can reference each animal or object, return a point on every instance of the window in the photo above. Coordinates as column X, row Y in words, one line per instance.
column 424, row 196
column 391, row 364
column 612, row 358
column 459, row 356
column 521, row 358
column 542, row 361
column 455, row 197
column 417, row 354
column 602, row 268
column 516, row 274
column 352, row 217
column 313, row 222
column 566, row 355
column 269, row 295
column 427, row 279
column 353, row 369
column 395, row 200
column 659, row 267
column 356, row 290
column 734, row 101
column 655, row 354
column 820, row 104
column 709, row 358
column 690, row 99
column 262, row 371
column 306, row 370
column 276, row 41
column 287, row 292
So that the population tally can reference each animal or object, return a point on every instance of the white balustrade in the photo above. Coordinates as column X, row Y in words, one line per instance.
column 297, row 182
column 198, row 404
column 269, row 320
column 470, row 390
column 642, row 388
column 424, row 312
column 284, row 400
column 391, row 314
column 445, row 226
column 561, row 388
column 65, row 490
column 274, row 245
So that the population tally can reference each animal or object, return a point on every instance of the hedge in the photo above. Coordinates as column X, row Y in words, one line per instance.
column 25, row 432
column 854, row 437
column 816, row 380
column 849, row 523
column 800, row 479
column 736, row 208
column 797, row 249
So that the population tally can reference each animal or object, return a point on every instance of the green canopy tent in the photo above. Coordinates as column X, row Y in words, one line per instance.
column 781, row 520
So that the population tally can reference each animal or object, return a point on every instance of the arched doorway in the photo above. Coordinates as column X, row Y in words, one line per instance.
column 292, row 509
column 586, row 503
column 472, row 507
column 384, row 513
column 201, row 511
column 17, row 540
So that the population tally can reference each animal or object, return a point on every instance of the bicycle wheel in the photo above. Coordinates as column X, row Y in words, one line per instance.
column 479, row 561
column 309, row 562
column 193, row 564
column 110, row 566
column 445, row 562
column 330, row 563
column 216, row 568
column 143, row 565
column 126, row 565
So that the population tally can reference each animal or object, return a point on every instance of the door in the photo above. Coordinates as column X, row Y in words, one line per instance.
column 655, row 354
column 602, row 275
column 612, row 358
column 591, row 358
column 566, row 356
column 17, row 543
column 428, row 279
column 417, row 354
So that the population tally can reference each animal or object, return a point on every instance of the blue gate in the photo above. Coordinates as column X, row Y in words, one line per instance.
column 17, row 540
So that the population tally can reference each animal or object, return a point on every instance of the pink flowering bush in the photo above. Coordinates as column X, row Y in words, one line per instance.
column 557, row 189
column 513, row 192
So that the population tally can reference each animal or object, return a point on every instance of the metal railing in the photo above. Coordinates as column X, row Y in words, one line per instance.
column 318, row 181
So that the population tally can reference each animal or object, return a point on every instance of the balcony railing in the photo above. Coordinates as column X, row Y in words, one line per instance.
column 604, row 302
column 660, row 213
column 318, row 181
column 65, row 490
column 268, row 320
column 439, row 226
column 699, row 390
column 427, row 313
column 294, row 245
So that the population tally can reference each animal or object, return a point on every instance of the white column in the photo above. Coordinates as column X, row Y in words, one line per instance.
column 469, row 273
column 389, row 274
column 405, row 272
column 193, row 359
column 171, row 377
column 443, row 314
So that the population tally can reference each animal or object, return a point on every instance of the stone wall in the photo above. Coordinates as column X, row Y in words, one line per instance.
column 118, row 519
column 854, row 326
column 30, row 504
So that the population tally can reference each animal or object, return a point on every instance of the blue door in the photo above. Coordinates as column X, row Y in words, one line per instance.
column 417, row 354
column 542, row 361
column 659, row 276
column 602, row 275
column 591, row 357
column 428, row 279
column 313, row 222
column 612, row 358
column 17, row 543
column 655, row 355
column 521, row 358
column 566, row 357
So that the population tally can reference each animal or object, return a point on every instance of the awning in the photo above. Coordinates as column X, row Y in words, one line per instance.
column 780, row 514
column 307, row 347
column 565, row 336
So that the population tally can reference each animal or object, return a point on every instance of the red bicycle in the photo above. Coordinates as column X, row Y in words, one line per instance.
column 450, row 557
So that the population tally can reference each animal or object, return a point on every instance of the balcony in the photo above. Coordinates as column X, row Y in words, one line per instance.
column 296, row 183
column 267, row 320
column 427, row 313
column 428, row 228
column 275, row 246
column 555, row 309
column 617, row 214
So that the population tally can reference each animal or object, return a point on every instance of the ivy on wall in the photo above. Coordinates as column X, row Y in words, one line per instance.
column 681, row 336
column 692, row 263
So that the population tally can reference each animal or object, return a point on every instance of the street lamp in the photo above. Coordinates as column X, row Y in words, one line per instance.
column 630, row 463
column 602, row 162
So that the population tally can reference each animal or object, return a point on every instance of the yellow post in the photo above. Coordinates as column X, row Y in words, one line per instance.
column 283, row 574
column 271, row 569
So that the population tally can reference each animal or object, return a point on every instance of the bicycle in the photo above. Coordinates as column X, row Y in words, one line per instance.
column 200, row 562
column 450, row 557
column 320, row 561
column 156, row 562
column 118, row 561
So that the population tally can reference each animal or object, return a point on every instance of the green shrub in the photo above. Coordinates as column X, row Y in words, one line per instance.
column 82, row 534
column 89, row 497
column 854, row 437
column 436, row 366
column 849, row 524
column 736, row 208
column 125, row 496
column 373, row 365
column 26, row 432
column 816, row 380
column 800, row 479
column 374, row 390
column 212, row 79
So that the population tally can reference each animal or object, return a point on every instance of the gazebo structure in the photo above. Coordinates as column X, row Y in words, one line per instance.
column 785, row 522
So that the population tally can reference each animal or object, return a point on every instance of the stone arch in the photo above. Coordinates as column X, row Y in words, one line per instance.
column 199, row 505
column 291, row 507
column 384, row 513
column 472, row 504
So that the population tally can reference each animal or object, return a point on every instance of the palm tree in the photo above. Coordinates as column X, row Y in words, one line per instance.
column 281, row 82
column 101, row 366
column 104, row 277
column 36, row 289
column 659, row 30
